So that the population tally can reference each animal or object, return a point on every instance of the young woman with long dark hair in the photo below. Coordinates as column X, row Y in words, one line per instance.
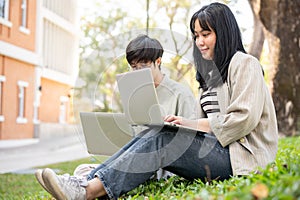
column 237, row 125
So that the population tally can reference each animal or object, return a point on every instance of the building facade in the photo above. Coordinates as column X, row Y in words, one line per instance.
column 38, row 65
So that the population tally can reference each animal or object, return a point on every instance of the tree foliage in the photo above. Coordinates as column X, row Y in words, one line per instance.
column 107, row 35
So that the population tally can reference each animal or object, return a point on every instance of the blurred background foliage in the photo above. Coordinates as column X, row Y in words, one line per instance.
column 108, row 26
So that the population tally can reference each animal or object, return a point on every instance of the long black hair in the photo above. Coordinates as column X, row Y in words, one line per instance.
column 216, row 17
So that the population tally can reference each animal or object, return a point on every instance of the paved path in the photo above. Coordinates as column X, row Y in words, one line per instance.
column 22, row 155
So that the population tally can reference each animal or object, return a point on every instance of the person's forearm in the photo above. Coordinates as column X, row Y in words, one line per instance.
column 199, row 124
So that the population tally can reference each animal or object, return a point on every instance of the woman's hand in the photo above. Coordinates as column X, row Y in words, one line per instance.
column 181, row 121
column 173, row 119
column 199, row 124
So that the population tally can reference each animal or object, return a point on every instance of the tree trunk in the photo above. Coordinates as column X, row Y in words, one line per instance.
column 282, row 24
column 258, row 37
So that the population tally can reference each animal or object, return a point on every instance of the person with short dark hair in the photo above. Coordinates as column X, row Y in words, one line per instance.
column 237, row 128
column 174, row 98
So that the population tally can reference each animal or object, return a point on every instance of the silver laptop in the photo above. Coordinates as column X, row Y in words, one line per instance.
column 139, row 99
column 105, row 133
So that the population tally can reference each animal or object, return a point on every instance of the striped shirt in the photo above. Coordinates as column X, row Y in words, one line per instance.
column 209, row 103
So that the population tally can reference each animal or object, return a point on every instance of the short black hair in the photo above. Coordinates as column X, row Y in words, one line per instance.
column 143, row 49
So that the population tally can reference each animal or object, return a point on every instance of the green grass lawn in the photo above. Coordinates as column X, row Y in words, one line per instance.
column 280, row 180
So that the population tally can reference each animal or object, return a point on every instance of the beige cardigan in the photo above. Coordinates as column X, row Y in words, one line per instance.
column 247, row 120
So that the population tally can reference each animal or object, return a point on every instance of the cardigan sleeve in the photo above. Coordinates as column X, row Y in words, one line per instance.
column 247, row 86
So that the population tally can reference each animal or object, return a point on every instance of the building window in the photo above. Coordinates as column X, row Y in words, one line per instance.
column 4, row 9
column 63, row 109
column 23, row 27
column 4, row 13
column 24, row 13
column 22, row 96
column 2, row 79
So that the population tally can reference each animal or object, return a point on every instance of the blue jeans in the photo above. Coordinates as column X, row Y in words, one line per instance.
column 187, row 153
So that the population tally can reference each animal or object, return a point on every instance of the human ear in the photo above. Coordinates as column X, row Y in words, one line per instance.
column 158, row 61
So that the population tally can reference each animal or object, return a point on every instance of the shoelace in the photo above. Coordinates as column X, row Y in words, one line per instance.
column 76, row 181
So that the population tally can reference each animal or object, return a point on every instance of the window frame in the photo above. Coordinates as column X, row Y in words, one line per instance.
column 2, row 80
column 63, row 109
column 24, row 17
column 5, row 18
column 24, row 13
column 22, row 85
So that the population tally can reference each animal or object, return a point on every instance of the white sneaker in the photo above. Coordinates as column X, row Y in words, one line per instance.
column 38, row 176
column 64, row 187
column 84, row 170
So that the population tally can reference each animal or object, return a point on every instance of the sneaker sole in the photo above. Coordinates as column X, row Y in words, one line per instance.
column 52, row 183
column 39, row 178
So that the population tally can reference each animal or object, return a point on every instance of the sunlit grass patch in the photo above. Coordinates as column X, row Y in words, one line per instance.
column 280, row 180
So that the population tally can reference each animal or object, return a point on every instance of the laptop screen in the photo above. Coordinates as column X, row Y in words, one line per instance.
column 139, row 98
